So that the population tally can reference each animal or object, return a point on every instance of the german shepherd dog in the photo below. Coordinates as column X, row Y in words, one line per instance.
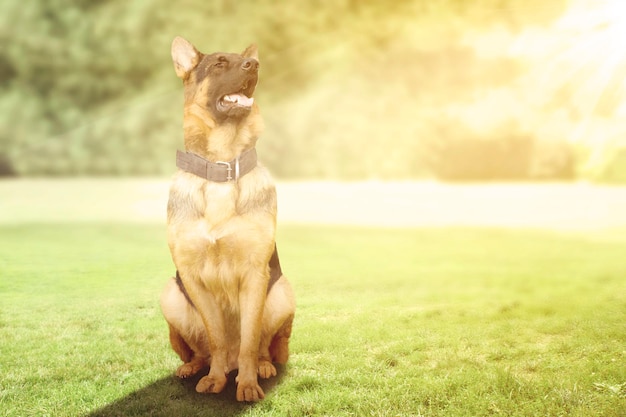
column 229, row 306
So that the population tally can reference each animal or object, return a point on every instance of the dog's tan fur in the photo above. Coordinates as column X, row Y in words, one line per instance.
column 221, row 237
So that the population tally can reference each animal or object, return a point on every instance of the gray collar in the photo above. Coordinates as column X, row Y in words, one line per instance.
column 219, row 171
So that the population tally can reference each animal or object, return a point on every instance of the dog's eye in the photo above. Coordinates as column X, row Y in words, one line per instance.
column 221, row 62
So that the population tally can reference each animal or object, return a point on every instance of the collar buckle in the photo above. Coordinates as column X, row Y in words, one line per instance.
column 229, row 169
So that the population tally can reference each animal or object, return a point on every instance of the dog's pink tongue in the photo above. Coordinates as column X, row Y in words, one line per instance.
column 240, row 100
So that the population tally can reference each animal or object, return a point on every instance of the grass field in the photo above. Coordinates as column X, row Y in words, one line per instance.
column 390, row 322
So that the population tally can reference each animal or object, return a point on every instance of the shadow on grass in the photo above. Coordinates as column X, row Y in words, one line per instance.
column 172, row 397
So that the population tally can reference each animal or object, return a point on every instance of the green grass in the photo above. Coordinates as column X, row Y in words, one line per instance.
column 430, row 322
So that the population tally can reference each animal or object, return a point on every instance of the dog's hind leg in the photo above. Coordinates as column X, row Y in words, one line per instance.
column 185, row 330
column 179, row 345
column 192, row 362
column 279, row 348
column 277, row 322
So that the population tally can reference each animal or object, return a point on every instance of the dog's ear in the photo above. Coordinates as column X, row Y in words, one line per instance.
column 251, row 52
column 185, row 56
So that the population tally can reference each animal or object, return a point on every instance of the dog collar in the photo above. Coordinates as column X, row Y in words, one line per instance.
column 219, row 171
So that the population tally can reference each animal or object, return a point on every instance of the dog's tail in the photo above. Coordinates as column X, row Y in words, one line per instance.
column 279, row 348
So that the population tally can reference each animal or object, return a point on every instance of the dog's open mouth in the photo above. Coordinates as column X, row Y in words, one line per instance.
column 240, row 100
column 234, row 100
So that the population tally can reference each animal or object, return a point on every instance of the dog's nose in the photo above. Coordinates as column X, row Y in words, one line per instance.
column 250, row 64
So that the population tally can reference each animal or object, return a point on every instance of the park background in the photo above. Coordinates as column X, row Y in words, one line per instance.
column 451, row 204
column 452, row 90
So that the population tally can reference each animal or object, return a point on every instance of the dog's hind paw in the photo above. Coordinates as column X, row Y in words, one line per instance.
column 266, row 369
column 185, row 371
column 191, row 368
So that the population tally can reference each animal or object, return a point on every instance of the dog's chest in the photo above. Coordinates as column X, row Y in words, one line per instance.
column 192, row 199
column 220, row 203
column 219, row 232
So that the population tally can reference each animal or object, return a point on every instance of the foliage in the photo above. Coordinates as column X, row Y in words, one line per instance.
column 457, row 154
column 608, row 166
column 348, row 89
column 438, row 322
column 615, row 171
column 467, row 157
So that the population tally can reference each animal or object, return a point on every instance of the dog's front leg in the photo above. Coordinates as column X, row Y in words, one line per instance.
column 213, row 319
column 251, row 304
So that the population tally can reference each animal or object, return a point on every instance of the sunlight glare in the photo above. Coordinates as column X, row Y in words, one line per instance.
column 578, row 69
column 582, row 58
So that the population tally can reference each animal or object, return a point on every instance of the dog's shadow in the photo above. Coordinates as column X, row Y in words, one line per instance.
column 173, row 397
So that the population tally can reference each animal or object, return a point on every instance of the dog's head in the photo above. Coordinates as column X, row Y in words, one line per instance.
column 223, row 83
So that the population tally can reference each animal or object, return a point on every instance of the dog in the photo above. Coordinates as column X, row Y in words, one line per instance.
column 229, row 306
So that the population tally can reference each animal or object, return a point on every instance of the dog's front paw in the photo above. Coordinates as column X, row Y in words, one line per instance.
column 211, row 384
column 249, row 390
column 266, row 369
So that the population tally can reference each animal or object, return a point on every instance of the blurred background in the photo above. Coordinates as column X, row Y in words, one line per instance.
column 475, row 90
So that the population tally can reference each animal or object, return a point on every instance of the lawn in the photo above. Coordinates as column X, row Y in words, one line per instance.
column 390, row 322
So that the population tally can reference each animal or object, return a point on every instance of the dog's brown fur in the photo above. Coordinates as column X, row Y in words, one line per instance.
column 222, row 235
